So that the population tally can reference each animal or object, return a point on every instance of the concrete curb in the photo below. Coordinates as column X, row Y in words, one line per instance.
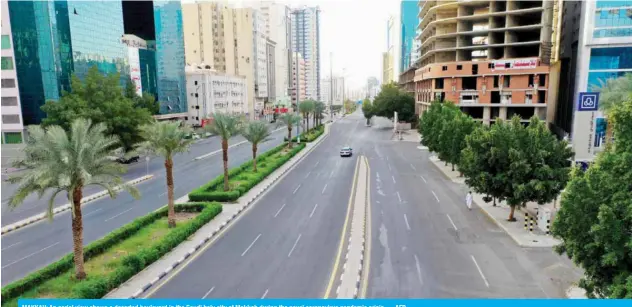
column 66, row 207
column 275, row 177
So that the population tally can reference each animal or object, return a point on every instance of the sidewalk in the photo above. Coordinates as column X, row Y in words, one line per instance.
column 500, row 213
column 141, row 282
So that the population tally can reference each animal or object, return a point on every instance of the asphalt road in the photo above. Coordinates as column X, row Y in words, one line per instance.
column 427, row 244
column 285, row 245
column 37, row 245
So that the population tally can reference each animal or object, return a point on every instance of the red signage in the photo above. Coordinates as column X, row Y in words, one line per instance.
column 206, row 121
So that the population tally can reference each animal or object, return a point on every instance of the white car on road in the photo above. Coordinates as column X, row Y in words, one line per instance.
column 346, row 152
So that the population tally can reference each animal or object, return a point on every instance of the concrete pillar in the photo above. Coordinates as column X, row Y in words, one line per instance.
column 486, row 115
column 502, row 113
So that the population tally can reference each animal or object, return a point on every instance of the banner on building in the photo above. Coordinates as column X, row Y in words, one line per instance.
column 134, row 69
column 515, row 64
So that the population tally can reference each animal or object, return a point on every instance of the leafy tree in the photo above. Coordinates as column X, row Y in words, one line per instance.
column 166, row 138
column 225, row 126
column 307, row 107
column 68, row 161
column 289, row 120
column 146, row 100
column 255, row 132
column 392, row 99
column 595, row 217
column 319, row 110
column 368, row 110
column 350, row 106
column 455, row 132
column 99, row 98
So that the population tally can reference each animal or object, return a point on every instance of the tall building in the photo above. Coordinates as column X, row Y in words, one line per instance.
column 491, row 58
column 52, row 40
column 12, row 124
column 408, row 11
column 299, row 80
column 595, row 45
column 332, row 94
column 391, row 58
column 260, row 60
column 142, row 64
column 306, row 41
column 271, row 70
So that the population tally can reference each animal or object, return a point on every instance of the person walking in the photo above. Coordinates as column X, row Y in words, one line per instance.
column 468, row 200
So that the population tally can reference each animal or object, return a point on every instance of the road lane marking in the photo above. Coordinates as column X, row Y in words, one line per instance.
column 313, row 210
column 331, row 174
column 334, row 272
column 29, row 255
column 264, row 294
column 308, row 174
column 386, row 158
column 218, row 151
column 299, row 186
column 250, row 246
column 413, row 167
column 279, row 210
column 294, row 246
column 207, row 293
column 453, row 225
column 424, row 179
column 399, row 197
column 325, row 187
column 393, row 179
column 389, row 166
column 93, row 212
column 367, row 226
column 418, row 270
column 12, row 245
column 480, row 271
column 406, row 220
column 316, row 163
column 435, row 195
column 119, row 214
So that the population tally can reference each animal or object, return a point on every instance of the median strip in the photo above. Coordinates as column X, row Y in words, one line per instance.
column 66, row 207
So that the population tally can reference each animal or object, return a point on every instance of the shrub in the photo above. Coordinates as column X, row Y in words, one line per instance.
column 310, row 135
column 98, row 286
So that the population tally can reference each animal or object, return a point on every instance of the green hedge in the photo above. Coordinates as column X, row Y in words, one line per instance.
column 212, row 191
column 311, row 135
column 97, row 287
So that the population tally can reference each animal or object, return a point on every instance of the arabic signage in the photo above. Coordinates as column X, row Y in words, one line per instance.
column 515, row 64
column 134, row 69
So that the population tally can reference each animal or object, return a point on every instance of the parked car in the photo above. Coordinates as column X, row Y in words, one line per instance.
column 125, row 160
column 346, row 152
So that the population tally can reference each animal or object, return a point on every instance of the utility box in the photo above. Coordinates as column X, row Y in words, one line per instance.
column 544, row 219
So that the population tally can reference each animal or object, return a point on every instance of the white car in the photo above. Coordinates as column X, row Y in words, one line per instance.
column 346, row 152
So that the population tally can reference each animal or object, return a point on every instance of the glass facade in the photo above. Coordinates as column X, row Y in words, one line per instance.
column 148, row 70
column 6, row 42
column 613, row 19
column 170, row 57
column 408, row 13
column 617, row 61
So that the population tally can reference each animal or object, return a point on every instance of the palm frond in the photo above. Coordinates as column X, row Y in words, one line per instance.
column 255, row 132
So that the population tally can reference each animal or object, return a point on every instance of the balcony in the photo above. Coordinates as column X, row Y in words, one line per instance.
column 468, row 97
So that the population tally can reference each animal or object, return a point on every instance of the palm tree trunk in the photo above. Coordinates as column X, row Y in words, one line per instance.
column 254, row 157
column 77, row 233
column 511, row 214
column 225, row 158
column 289, row 136
column 307, row 121
column 171, row 212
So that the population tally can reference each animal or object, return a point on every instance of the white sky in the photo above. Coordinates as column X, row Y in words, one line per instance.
column 355, row 32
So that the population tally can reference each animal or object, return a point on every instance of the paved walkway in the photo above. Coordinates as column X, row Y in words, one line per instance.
column 141, row 282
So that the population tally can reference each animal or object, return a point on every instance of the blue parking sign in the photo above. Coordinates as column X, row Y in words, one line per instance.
column 588, row 101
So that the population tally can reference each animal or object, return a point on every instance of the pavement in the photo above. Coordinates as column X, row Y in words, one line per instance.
column 34, row 246
column 285, row 245
column 425, row 243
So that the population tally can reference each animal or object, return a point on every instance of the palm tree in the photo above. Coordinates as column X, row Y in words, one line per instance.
column 67, row 162
column 226, row 126
column 612, row 92
column 306, row 107
column 255, row 132
column 319, row 109
column 289, row 119
column 166, row 139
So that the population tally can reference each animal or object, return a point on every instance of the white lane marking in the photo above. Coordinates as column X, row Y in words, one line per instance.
column 424, row 179
column 452, row 222
column 313, row 210
column 389, row 166
column 279, row 210
column 218, row 151
column 418, row 269
column 332, row 174
column 316, row 164
column 308, row 174
column 393, row 179
column 435, row 195
column 12, row 245
column 386, row 158
column 294, row 246
column 406, row 220
column 325, row 187
column 480, row 271
column 250, row 246
column 30, row 255
column 93, row 212
column 299, row 186
column 413, row 167
column 119, row 214
column 398, row 196
column 264, row 294
column 207, row 293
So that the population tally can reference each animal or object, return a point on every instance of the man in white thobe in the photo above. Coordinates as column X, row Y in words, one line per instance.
column 468, row 200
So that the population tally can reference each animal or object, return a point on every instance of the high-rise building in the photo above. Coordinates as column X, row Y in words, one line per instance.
column 391, row 58
column 299, row 80
column 271, row 70
column 408, row 11
column 12, row 125
column 142, row 64
column 53, row 39
column 306, row 41
column 595, row 45
column 332, row 94
column 260, row 60
column 491, row 58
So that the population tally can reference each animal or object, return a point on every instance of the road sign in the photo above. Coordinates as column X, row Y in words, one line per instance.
column 588, row 101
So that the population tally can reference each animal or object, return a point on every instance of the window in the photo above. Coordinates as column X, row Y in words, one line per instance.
column 530, row 81
column 8, row 83
column 496, row 81
column 459, row 67
column 7, row 63
column 195, row 82
column 9, row 101
column 507, row 65
column 490, row 65
column 12, row 138
column 611, row 58
column 11, row 119
column 542, row 80
column 6, row 42
column 444, row 68
column 507, row 81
